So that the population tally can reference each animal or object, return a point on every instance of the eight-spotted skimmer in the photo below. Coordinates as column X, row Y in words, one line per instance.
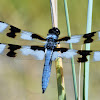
column 49, row 49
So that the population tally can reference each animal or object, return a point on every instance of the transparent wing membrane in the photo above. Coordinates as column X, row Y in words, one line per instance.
column 10, row 31
column 82, row 39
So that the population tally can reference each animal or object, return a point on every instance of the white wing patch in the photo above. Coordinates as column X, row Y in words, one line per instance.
column 37, row 54
column 2, row 47
column 56, row 55
column 69, row 54
column 96, row 56
column 3, row 26
column 74, row 39
column 26, row 50
column 26, row 35
column 99, row 34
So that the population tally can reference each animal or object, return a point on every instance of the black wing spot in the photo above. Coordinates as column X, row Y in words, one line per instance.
column 61, row 49
column 88, row 37
column 63, row 39
column 2, row 21
column 38, row 48
column 84, row 53
column 13, row 31
column 11, row 54
column 37, row 37
column 12, row 48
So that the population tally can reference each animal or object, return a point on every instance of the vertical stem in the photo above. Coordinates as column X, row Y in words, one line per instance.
column 86, row 65
column 70, row 45
column 53, row 4
column 58, row 62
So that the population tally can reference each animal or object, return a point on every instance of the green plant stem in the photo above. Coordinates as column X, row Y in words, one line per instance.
column 70, row 45
column 87, row 47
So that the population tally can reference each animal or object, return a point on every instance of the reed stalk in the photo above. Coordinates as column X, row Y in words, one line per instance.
column 70, row 45
column 58, row 62
column 87, row 47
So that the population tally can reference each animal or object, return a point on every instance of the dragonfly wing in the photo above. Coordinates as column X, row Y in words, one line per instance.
column 64, row 53
column 3, row 26
column 82, row 39
column 14, row 32
column 2, row 47
column 96, row 56
column 36, row 51
column 22, row 52
column 74, row 39
column 79, row 55
column 55, row 55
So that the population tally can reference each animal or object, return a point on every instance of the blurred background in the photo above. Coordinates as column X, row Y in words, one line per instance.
column 21, row 79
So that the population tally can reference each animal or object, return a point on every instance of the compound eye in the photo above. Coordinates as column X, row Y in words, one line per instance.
column 57, row 30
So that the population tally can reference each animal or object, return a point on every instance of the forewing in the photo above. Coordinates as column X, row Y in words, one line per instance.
column 82, row 39
column 12, row 32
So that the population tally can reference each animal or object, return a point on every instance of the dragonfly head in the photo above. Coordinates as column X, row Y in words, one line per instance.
column 52, row 37
column 55, row 31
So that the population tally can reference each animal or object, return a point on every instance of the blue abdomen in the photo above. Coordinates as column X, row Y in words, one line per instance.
column 46, row 70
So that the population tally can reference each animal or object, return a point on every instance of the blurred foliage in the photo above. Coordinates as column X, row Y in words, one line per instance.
column 21, row 80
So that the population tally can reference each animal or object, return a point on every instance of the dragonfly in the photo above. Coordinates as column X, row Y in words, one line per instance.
column 48, row 50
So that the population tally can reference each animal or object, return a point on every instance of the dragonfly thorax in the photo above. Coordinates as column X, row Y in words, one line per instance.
column 51, row 41
column 51, row 44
